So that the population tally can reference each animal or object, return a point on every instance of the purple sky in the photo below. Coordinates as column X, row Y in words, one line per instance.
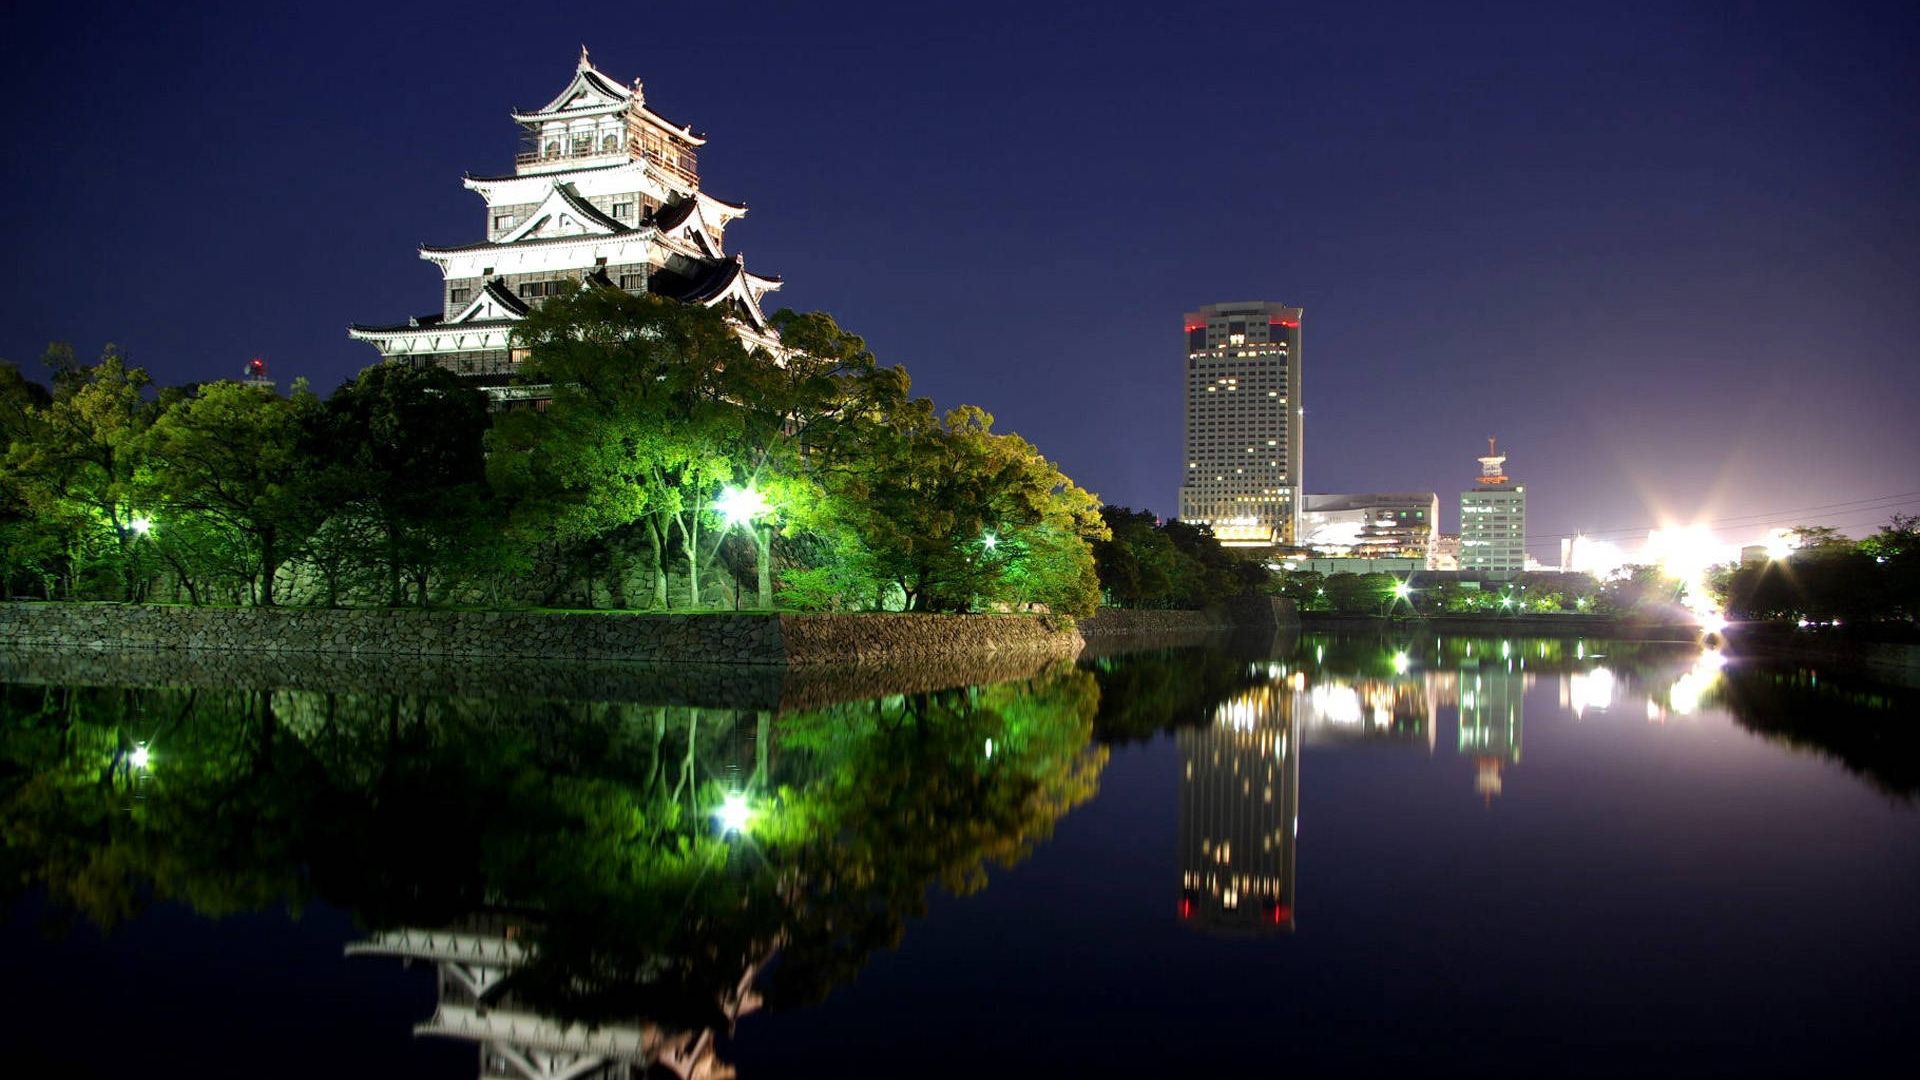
column 1669, row 253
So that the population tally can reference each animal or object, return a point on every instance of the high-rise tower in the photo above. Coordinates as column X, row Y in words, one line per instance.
column 604, row 192
column 1241, row 473
column 1493, row 520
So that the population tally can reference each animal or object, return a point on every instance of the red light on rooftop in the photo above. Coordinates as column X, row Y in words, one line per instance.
column 1191, row 327
column 1282, row 914
column 1293, row 323
column 1186, row 908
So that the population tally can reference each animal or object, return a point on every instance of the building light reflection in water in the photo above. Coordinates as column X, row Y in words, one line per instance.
column 1239, row 814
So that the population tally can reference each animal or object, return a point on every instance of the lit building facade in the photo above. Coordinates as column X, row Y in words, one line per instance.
column 1394, row 525
column 1239, row 809
column 604, row 192
column 1492, row 698
column 1493, row 521
column 1241, row 473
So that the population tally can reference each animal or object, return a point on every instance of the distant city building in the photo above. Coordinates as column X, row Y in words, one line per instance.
column 1493, row 520
column 1353, row 564
column 604, row 192
column 1239, row 810
column 1446, row 552
column 1241, row 473
column 1398, row 525
column 255, row 374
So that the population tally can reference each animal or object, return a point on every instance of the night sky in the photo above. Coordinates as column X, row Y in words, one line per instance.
column 1668, row 253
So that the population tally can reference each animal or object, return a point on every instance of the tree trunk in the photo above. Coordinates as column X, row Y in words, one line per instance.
column 269, row 564
column 657, row 542
column 690, row 532
column 763, row 566
column 392, row 553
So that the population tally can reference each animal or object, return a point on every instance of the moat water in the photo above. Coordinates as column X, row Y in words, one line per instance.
column 1471, row 855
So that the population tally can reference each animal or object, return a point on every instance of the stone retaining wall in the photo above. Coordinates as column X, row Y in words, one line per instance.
column 832, row 639
column 719, row 638
column 735, row 686
column 1261, row 613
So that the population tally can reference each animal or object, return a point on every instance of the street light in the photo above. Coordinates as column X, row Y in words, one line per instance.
column 740, row 505
column 141, row 525
column 989, row 541
column 734, row 813
column 140, row 757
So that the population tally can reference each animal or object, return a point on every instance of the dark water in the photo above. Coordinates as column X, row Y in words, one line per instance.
column 1327, row 854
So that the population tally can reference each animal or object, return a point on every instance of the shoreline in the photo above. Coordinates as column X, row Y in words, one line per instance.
column 1555, row 625
column 1894, row 662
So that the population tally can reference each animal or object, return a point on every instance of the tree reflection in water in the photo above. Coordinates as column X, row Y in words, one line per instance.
column 559, row 861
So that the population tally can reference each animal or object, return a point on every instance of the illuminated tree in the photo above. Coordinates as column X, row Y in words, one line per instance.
column 74, row 463
column 241, row 456
column 961, row 518
column 640, row 432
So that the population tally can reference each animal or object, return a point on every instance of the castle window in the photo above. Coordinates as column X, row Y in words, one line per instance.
column 633, row 282
column 459, row 296
column 552, row 148
column 623, row 210
column 609, row 144
column 502, row 222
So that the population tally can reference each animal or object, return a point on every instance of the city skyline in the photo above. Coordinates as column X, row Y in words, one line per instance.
column 1620, row 243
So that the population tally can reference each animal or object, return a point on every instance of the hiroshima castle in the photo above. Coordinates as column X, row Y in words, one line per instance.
column 604, row 191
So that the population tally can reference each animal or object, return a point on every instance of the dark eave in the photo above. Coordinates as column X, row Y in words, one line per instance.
column 541, row 176
column 418, row 322
column 485, row 244
column 674, row 214
column 571, row 196
column 695, row 283
column 497, row 288
column 444, row 327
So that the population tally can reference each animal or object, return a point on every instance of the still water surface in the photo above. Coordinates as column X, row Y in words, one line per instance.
column 1472, row 855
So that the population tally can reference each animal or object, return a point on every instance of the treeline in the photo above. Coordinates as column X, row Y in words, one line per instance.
column 1146, row 563
column 1830, row 578
column 671, row 467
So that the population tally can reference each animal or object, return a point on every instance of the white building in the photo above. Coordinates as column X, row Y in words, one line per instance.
column 1386, row 525
column 1493, row 521
column 606, row 192
column 1241, row 473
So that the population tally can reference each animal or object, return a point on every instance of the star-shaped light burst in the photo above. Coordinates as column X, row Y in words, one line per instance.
column 734, row 813
column 740, row 505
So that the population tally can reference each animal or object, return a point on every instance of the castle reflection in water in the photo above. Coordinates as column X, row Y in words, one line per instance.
column 1240, row 773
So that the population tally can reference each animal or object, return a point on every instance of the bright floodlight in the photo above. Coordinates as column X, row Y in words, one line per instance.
column 1399, row 663
column 140, row 757
column 1401, row 589
column 1780, row 544
column 739, row 506
column 141, row 525
column 733, row 813
column 989, row 541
